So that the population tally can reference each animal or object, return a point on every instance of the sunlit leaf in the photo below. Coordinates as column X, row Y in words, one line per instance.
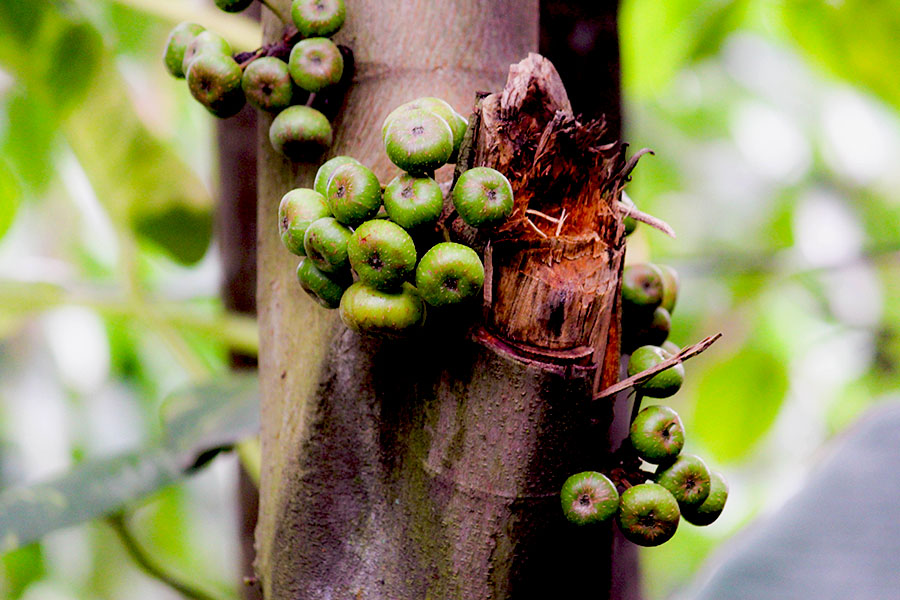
column 142, row 182
column 21, row 568
column 199, row 423
column 738, row 400
column 29, row 140
column 839, row 537
column 659, row 38
column 854, row 39
column 9, row 197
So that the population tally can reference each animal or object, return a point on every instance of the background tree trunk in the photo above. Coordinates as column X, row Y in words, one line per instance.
column 427, row 468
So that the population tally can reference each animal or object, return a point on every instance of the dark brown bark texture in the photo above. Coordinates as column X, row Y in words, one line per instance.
column 431, row 467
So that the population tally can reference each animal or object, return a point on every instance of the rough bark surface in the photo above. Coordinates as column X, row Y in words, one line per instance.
column 430, row 468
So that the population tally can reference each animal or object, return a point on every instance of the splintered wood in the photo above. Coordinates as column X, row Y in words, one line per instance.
column 555, row 264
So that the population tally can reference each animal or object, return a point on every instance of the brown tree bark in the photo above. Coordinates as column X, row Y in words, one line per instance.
column 431, row 467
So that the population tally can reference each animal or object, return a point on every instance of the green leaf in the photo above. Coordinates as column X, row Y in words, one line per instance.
column 73, row 62
column 9, row 197
column 141, row 181
column 29, row 140
column 660, row 38
column 738, row 400
column 839, row 537
column 199, row 422
column 21, row 568
column 854, row 39
column 212, row 416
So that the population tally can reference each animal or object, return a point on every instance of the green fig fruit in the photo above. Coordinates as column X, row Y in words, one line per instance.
column 588, row 498
column 483, row 197
column 382, row 254
column 449, row 273
column 648, row 514
column 657, row 434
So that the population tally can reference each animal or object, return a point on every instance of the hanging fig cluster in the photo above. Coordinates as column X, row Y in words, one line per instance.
column 652, row 485
column 371, row 251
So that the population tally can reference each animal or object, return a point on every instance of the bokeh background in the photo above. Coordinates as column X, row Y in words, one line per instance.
column 777, row 160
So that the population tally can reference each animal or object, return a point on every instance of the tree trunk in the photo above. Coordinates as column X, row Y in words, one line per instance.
column 431, row 467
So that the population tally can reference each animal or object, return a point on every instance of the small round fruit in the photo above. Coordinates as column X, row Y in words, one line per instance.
column 267, row 84
column 413, row 201
column 670, row 287
column 670, row 348
column 233, row 6
column 449, row 273
column 215, row 82
column 589, row 497
column 441, row 108
column 418, row 141
column 641, row 330
column 657, row 434
column 367, row 310
column 353, row 194
column 315, row 63
column 687, row 478
column 324, row 288
column 298, row 210
column 483, row 197
column 323, row 175
column 663, row 384
column 630, row 222
column 642, row 288
column 709, row 511
column 300, row 132
column 648, row 514
column 318, row 18
column 382, row 254
column 203, row 42
column 325, row 243
column 179, row 40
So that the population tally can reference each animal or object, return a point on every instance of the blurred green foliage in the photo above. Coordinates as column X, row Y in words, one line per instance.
column 776, row 131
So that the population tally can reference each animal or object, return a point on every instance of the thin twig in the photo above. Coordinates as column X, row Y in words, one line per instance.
column 311, row 99
column 145, row 562
column 275, row 11
column 538, row 213
column 562, row 220
column 682, row 356
column 535, row 227
column 656, row 223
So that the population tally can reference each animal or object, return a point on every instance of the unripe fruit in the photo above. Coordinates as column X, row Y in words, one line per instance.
column 325, row 288
column 382, row 254
column 323, row 175
column 300, row 132
column 233, row 6
column 711, row 508
column 670, row 287
column 449, row 273
column 630, row 222
column 203, row 42
column 418, row 141
column 640, row 329
column 657, row 434
column 215, row 82
column 267, row 84
column 642, row 288
column 441, row 108
column 589, row 497
column 687, row 478
column 298, row 210
column 325, row 243
column 483, row 197
column 318, row 18
column 663, row 384
column 179, row 40
column 353, row 194
column 670, row 348
column 367, row 310
column 316, row 63
column 413, row 201
column 648, row 514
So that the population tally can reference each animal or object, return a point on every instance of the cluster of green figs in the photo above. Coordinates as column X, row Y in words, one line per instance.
column 223, row 85
column 359, row 240
column 680, row 485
